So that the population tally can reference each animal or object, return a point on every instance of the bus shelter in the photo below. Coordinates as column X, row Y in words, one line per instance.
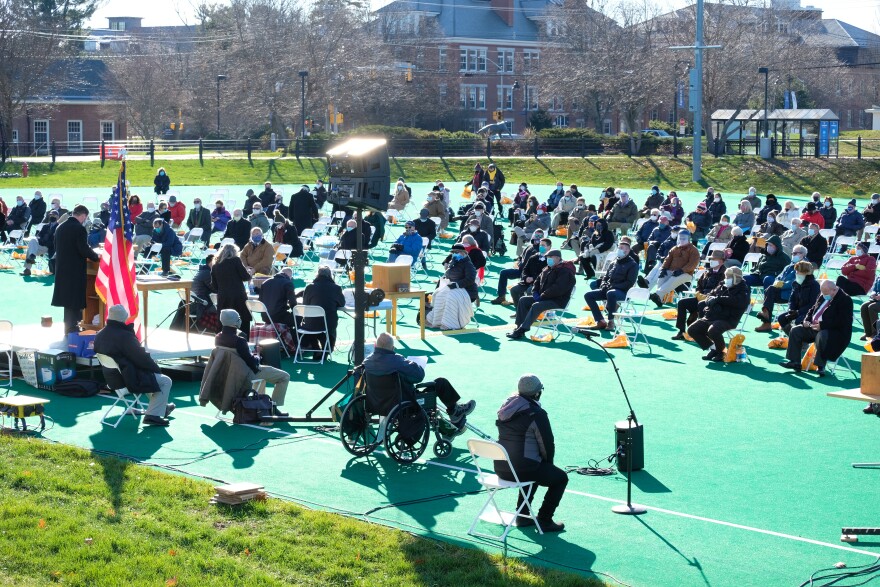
column 795, row 132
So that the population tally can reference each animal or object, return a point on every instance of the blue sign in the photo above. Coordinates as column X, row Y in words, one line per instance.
column 787, row 104
column 823, row 137
column 680, row 94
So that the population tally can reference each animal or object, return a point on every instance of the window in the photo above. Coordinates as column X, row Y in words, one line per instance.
column 531, row 98
column 14, row 135
column 441, row 59
column 74, row 135
column 561, row 120
column 442, row 90
column 782, row 27
column 505, row 61
column 472, row 59
column 530, row 60
column 556, row 103
column 655, row 114
column 606, row 127
column 473, row 97
column 41, row 136
column 108, row 130
column 474, row 124
column 505, row 98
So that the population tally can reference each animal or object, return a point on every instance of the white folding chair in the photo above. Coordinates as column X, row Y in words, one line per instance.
column 284, row 252
column 740, row 329
column 226, row 241
column 835, row 264
column 842, row 241
column 231, row 203
column 436, row 221
column 749, row 262
column 870, row 231
column 133, row 406
column 213, row 297
column 553, row 320
column 144, row 266
column 6, row 347
column 195, row 236
column 629, row 317
column 714, row 247
column 90, row 202
column 403, row 260
column 832, row 366
column 490, row 512
column 255, row 307
column 874, row 250
column 306, row 237
column 301, row 312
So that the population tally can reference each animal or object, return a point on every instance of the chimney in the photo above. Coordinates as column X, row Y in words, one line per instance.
column 504, row 9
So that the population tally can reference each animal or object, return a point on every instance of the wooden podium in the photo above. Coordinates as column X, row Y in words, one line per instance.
column 94, row 305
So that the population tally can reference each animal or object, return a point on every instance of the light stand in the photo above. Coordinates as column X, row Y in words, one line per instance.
column 628, row 508
column 359, row 260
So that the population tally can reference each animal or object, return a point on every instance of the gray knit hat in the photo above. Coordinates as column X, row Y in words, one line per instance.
column 529, row 385
column 117, row 313
column 229, row 317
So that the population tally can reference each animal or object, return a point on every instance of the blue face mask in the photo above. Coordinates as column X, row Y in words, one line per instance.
column 551, row 261
column 827, row 297
column 157, row 231
column 257, row 238
column 457, row 257
column 542, row 249
column 162, row 173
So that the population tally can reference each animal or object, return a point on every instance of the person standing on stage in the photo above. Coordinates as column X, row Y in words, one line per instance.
column 71, row 253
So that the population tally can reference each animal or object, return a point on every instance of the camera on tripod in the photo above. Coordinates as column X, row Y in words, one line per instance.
column 360, row 174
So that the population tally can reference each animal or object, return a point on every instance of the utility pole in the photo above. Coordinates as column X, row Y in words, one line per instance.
column 695, row 98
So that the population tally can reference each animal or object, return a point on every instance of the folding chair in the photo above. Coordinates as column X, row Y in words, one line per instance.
column 874, row 250
column 338, row 217
column 306, row 238
column 6, row 347
column 144, row 266
column 90, row 202
column 301, row 312
column 835, row 264
column 194, row 237
column 284, row 252
column 226, row 241
column 740, row 329
column 869, row 233
column 422, row 261
column 553, row 320
column 133, row 406
column 255, row 307
column 493, row 484
column 193, row 299
column 833, row 365
column 231, row 203
column 713, row 247
column 749, row 262
column 629, row 316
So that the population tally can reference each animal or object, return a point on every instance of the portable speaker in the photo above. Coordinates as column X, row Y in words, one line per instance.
column 637, row 440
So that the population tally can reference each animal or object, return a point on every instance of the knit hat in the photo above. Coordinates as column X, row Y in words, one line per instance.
column 230, row 317
column 811, row 207
column 852, row 203
column 701, row 206
column 424, row 213
column 172, row 200
column 554, row 253
column 458, row 247
column 529, row 385
column 117, row 313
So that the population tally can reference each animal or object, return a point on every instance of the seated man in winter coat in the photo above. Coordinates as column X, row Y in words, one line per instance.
column 689, row 309
column 792, row 236
column 817, row 245
column 804, row 293
column 408, row 243
column 525, row 433
column 702, row 222
column 164, row 235
column 279, row 297
column 779, row 291
column 618, row 280
column 238, row 229
column 850, row 222
column 725, row 306
column 551, row 291
column 43, row 243
column 138, row 372
column 461, row 271
column 677, row 269
column 258, row 254
column 515, row 272
column 623, row 214
column 771, row 264
column 483, row 238
column 828, row 324
column 644, row 232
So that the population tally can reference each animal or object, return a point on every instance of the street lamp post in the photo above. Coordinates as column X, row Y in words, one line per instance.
column 220, row 78
column 675, row 105
column 303, row 75
column 766, row 73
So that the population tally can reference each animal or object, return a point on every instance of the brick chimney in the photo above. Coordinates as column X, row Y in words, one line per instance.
column 504, row 9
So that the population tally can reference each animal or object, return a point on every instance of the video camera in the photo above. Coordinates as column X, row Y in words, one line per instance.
column 360, row 174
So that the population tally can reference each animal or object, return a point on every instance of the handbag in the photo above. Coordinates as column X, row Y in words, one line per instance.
column 251, row 408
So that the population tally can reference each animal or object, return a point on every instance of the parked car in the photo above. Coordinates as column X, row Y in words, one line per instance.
column 654, row 132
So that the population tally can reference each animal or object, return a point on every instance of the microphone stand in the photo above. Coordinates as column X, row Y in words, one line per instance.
column 628, row 508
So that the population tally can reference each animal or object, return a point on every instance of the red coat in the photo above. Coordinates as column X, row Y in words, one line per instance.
column 863, row 277
column 178, row 213
column 814, row 218
column 135, row 210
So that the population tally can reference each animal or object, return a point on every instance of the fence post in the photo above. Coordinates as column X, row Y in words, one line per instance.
column 860, row 147
column 201, row 149
column 441, row 147
column 816, row 147
column 54, row 152
column 249, row 150
column 103, row 152
column 801, row 146
column 3, row 152
column 488, row 149
column 152, row 153
column 391, row 146
column 536, row 147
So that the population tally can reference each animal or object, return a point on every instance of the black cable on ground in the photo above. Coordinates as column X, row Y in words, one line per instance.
column 836, row 575
column 593, row 469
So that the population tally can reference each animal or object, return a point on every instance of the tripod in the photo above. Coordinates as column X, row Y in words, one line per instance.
column 626, row 446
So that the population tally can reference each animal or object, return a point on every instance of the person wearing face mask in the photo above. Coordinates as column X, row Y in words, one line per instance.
column 828, row 324
column 804, row 293
column 285, row 234
column 377, row 220
column 575, row 220
column 789, row 213
column 268, row 195
column 643, row 234
column 278, row 206
column 753, row 199
column 162, row 234
column 161, row 183
column 811, row 215
column 37, row 207
column 772, row 263
column 531, row 269
column 461, row 272
column 851, row 222
column 164, row 212
column 484, row 241
column 220, row 217
column 178, row 212
column 551, row 290
column 426, row 227
column 618, row 280
column 871, row 213
column 780, row 289
column 18, row 216
column 143, row 227
column 688, row 309
column 258, row 254
column 348, row 238
column 793, row 236
column 623, row 214
column 770, row 206
column 135, row 208
column 595, row 247
column 658, row 236
column 444, row 192
column 250, row 198
column 320, row 193
column 436, row 209
column 566, row 205
column 477, row 178
column 674, row 210
column 43, row 243
column 408, row 243
column 238, row 229
column 654, row 200
column 738, row 248
column 520, row 202
column 828, row 212
column 484, row 221
column 607, row 199
column 722, row 232
column 701, row 221
column 200, row 217
column 71, row 253
column 817, row 245
column 519, row 266
column 258, row 218
column 716, row 207
column 303, row 209
column 745, row 218
column 485, row 197
column 555, row 196
column 725, row 306
column 495, row 177
column 677, row 269
column 858, row 273
column 770, row 227
column 535, row 221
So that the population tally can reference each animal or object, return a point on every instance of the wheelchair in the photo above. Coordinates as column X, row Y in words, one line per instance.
column 406, row 421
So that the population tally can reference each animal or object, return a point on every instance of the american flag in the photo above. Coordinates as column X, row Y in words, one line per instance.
column 115, row 283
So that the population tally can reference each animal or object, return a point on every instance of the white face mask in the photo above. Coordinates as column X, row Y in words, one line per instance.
column 654, row 217
column 827, row 204
column 771, row 250
column 477, row 213
column 861, row 252
column 713, row 264
column 621, row 253
column 796, row 258
column 716, row 200
column 770, row 220
column 472, row 228
column 800, row 278
column 728, row 282
column 795, row 226
column 724, row 223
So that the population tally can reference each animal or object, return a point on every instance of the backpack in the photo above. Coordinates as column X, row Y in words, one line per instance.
column 77, row 387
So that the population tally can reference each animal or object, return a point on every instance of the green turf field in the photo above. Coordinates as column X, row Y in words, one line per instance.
column 747, row 478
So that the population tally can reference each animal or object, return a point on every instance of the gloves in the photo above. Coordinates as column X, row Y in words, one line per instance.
column 860, row 267
column 536, row 295
column 663, row 273
column 677, row 272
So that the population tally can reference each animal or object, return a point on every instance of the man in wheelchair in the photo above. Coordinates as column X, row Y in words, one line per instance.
column 384, row 361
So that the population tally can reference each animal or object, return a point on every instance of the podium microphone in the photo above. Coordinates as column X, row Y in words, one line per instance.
column 588, row 333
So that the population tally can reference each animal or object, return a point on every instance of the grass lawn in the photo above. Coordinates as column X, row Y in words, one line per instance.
column 70, row 517
column 836, row 177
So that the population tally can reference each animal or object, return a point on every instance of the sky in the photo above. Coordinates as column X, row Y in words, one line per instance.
column 861, row 13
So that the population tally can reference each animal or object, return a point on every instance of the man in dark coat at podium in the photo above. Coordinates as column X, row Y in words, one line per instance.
column 71, row 253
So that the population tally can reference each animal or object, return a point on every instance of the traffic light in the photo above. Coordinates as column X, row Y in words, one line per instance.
column 180, row 126
column 173, row 126
column 339, row 118
column 409, row 73
column 498, row 116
